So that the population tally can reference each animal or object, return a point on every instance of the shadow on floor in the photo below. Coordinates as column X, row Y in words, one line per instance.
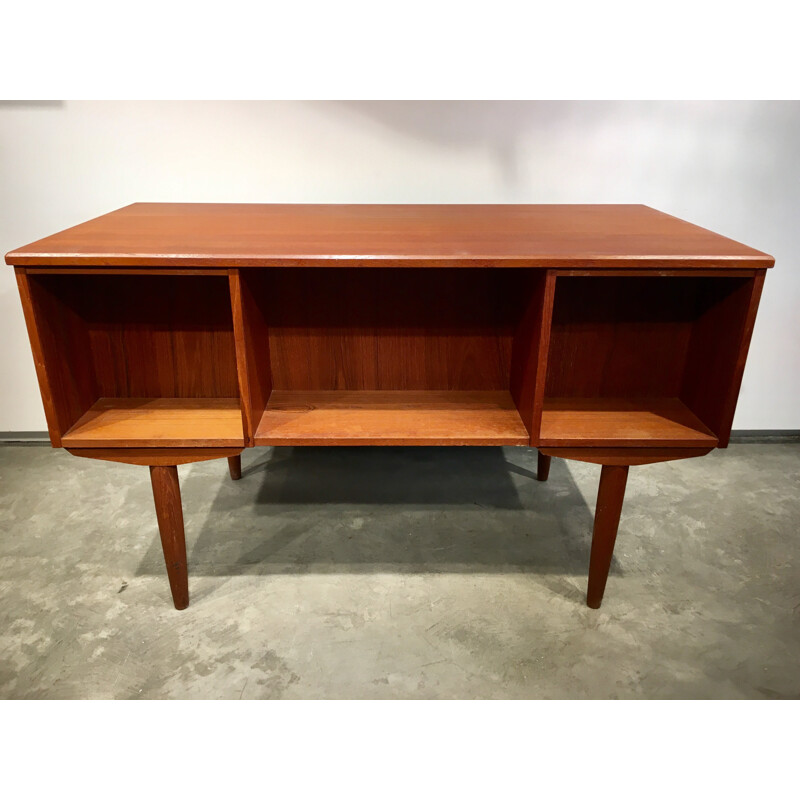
column 390, row 509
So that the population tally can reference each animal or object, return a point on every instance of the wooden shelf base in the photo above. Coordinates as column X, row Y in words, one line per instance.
column 391, row 418
column 159, row 422
column 615, row 422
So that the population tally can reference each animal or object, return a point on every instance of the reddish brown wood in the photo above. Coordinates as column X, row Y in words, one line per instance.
column 159, row 422
column 235, row 467
column 160, row 271
column 128, row 336
column 234, row 235
column 620, row 337
column 631, row 272
column 53, row 413
column 391, row 329
column 543, row 466
column 61, row 336
column 243, row 372
column 718, row 352
column 530, row 346
column 610, row 495
column 154, row 457
column 167, row 497
column 251, row 334
column 391, row 418
column 668, row 339
column 621, row 422
column 544, row 355
column 159, row 336
column 623, row 344
column 627, row 456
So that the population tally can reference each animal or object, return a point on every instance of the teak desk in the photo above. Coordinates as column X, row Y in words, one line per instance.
column 171, row 333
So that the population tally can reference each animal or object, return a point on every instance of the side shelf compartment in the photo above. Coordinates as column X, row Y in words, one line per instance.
column 131, row 360
column 646, row 360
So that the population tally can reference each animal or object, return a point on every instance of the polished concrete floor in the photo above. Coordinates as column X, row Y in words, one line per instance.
column 401, row 573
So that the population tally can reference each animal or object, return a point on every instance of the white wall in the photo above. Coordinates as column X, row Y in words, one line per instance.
column 733, row 167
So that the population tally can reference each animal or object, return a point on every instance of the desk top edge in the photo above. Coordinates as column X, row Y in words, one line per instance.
column 303, row 235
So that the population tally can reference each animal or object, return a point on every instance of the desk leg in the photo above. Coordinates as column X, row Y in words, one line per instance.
column 163, row 462
column 167, row 496
column 606, row 521
column 235, row 467
column 543, row 467
column 615, row 462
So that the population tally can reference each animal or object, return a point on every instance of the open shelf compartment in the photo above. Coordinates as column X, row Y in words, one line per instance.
column 344, row 356
column 138, row 360
column 648, row 361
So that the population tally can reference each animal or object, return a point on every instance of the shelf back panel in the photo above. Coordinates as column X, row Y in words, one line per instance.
column 620, row 337
column 390, row 329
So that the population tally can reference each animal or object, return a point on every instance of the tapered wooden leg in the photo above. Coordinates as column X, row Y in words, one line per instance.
column 167, row 496
column 606, row 521
column 235, row 467
column 543, row 467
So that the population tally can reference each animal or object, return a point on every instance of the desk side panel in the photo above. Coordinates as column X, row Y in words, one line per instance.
column 59, row 338
column 718, row 353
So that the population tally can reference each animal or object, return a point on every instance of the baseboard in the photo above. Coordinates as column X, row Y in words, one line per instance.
column 29, row 437
column 765, row 437
column 737, row 437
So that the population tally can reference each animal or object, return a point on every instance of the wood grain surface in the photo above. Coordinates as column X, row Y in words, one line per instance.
column 391, row 418
column 251, row 335
column 154, row 456
column 169, row 512
column 239, row 235
column 609, row 421
column 625, row 456
column 389, row 329
column 624, row 344
column 610, row 496
column 159, row 422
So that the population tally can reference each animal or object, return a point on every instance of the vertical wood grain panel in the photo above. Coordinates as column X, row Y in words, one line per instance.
column 169, row 512
column 60, row 342
column 530, row 347
column 391, row 329
column 718, row 350
column 251, row 334
column 153, row 336
column 620, row 337
column 54, row 424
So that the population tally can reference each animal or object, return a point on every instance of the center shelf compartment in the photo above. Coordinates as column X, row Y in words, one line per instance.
column 159, row 422
column 391, row 418
column 344, row 356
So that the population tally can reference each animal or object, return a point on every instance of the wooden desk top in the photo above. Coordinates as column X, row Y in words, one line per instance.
column 242, row 235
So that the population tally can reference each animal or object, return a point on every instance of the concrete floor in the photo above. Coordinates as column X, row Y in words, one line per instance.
column 401, row 573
